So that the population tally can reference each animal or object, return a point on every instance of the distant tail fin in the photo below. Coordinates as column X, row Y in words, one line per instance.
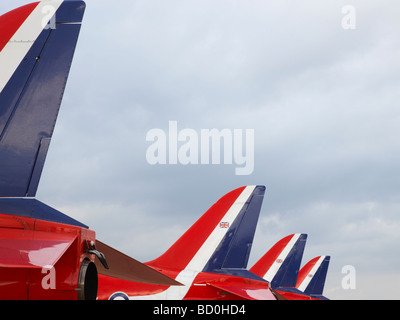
column 221, row 238
column 312, row 276
column 281, row 264
column 37, row 43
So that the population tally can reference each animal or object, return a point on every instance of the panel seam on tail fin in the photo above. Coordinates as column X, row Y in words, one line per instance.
column 7, row 124
column 37, row 168
column 8, row 59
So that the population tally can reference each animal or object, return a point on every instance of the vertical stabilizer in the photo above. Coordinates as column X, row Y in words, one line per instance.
column 37, row 44
column 312, row 276
column 221, row 238
column 280, row 265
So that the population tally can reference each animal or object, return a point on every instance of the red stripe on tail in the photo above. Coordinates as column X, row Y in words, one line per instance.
column 183, row 250
column 265, row 263
column 10, row 22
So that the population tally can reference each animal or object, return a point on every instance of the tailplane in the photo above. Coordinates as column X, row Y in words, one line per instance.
column 37, row 44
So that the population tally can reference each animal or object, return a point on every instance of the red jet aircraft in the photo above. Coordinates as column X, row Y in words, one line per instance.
column 280, row 268
column 210, row 259
column 44, row 254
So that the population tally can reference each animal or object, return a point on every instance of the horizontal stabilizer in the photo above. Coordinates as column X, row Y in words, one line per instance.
column 21, row 248
column 124, row 267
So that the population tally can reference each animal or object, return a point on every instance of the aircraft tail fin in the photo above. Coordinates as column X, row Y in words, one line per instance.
column 281, row 264
column 221, row 239
column 37, row 44
column 312, row 276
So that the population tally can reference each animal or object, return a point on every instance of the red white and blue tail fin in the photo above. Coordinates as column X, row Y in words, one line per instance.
column 312, row 276
column 221, row 239
column 37, row 44
column 281, row 264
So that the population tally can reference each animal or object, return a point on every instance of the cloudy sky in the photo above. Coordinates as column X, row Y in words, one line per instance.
column 322, row 99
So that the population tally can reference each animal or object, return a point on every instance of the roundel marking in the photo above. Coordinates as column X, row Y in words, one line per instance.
column 119, row 296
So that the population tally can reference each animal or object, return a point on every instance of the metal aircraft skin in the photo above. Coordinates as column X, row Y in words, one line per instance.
column 209, row 260
column 311, row 278
column 280, row 267
column 45, row 254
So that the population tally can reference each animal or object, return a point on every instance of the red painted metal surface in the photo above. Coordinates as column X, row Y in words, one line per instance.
column 39, row 259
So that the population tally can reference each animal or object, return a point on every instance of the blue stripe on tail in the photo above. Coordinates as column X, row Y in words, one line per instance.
column 30, row 102
column 232, row 255
column 287, row 273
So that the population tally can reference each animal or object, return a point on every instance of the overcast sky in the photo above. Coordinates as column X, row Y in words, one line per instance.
column 323, row 102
